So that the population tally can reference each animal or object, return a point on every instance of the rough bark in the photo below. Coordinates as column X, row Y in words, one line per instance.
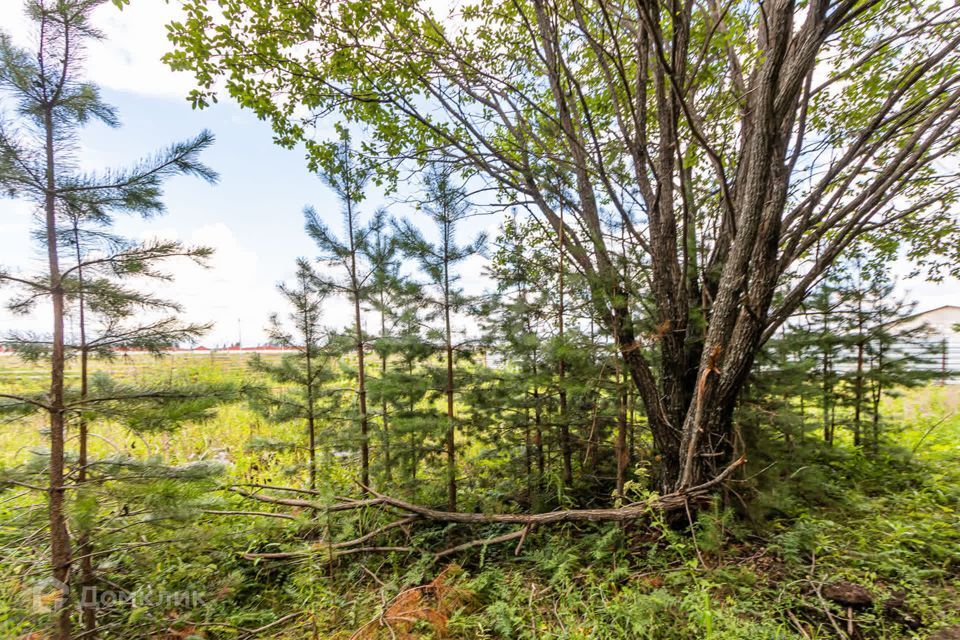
column 60, row 552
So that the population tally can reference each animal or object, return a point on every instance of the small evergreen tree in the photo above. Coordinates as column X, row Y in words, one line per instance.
column 516, row 319
column 895, row 354
column 826, row 334
column 392, row 296
column 405, row 386
column 302, row 375
column 849, row 346
column 447, row 206
column 347, row 177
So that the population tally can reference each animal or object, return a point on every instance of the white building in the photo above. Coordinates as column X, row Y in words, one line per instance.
column 943, row 327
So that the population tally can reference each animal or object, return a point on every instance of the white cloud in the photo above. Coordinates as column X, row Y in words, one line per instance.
column 130, row 58
column 233, row 291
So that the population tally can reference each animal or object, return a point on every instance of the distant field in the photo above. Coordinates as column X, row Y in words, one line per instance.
column 17, row 373
column 230, row 428
column 930, row 416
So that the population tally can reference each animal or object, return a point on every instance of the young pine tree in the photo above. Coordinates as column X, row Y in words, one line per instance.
column 347, row 177
column 892, row 353
column 105, row 310
column 447, row 207
column 826, row 332
column 38, row 162
column 403, row 385
column 517, row 317
column 300, row 376
column 392, row 296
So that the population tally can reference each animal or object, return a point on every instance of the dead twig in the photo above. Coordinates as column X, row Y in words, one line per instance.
column 796, row 623
column 826, row 609
column 478, row 543
column 523, row 537
column 265, row 514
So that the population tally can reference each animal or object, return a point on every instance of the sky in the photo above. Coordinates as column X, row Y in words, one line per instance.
column 252, row 217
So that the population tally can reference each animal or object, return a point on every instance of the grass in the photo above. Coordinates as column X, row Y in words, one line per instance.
column 888, row 522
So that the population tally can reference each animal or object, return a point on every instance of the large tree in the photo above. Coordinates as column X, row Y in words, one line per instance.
column 743, row 146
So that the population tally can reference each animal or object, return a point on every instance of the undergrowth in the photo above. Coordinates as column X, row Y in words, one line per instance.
column 818, row 517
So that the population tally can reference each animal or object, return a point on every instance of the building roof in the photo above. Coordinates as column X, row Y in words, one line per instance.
column 929, row 311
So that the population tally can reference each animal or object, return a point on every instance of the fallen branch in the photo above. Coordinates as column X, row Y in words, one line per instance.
column 287, row 502
column 347, row 552
column 678, row 499
column 248, row 633
column 523, row 538
column 291, row 555
column 265, row 514
column 310, row 492
column 306, row 504
column 669, row 502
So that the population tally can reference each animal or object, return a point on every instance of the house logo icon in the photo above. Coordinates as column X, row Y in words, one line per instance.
column 49, row 595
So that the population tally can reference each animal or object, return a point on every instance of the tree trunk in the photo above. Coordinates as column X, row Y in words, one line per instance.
column 84, row 545
column 60, row 554
column 621, row 443
column 538, row 438
column 451, row 428
column 566, row 449
column 825, row 398
column 361, row 368
column 385, row 426
column 414, row 445
column 631, row 447
column 528, row 454
column 877, row 396
column 311, row 401
column 384, row 418
column 362, row 396
column 858, row 397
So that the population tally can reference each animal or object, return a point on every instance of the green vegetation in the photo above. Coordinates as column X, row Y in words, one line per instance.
column 888, row 522
column 688, row 404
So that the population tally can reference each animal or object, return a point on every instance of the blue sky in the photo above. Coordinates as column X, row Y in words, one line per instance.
column 252, row 218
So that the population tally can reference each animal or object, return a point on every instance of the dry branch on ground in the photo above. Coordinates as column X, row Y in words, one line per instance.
column 527, row 521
